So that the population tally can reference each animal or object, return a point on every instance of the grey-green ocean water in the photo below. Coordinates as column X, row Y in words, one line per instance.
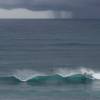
column 50, row 59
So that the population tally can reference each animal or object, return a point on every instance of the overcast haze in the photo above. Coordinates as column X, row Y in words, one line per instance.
column 54, row 8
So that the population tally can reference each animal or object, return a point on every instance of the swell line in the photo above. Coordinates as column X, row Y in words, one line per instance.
column 60, row 76
column 50, row 79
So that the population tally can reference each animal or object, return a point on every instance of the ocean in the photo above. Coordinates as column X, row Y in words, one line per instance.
column 45, row 59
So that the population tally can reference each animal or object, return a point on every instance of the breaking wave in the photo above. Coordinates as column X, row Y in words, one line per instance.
column 60, row 76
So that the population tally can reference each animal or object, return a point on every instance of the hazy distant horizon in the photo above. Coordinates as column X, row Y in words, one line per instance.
column 50, row 9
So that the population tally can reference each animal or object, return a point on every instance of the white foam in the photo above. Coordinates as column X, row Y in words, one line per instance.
column 86, row 71
column 69, row 72
column 96, row 76
column 64, row 72
column 25, row 75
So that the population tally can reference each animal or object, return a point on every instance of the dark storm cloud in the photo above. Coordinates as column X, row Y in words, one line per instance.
column 79, row 8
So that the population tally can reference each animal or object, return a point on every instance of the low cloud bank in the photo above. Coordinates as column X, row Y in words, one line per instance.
column 28, row 14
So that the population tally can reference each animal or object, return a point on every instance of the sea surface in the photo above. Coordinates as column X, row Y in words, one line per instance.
column 49, row 59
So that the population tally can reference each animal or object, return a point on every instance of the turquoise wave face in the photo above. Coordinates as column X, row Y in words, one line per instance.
column 50, row 79
column 57, row 79
column 78, row 78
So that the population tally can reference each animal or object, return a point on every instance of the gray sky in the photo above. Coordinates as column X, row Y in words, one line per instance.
column 60, row 8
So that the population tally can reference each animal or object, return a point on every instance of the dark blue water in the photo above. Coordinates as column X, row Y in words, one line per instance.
column 49, row 59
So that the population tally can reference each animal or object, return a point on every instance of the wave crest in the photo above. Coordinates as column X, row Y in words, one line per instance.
column 59, row 76
column 50, row 79
column 25, row 75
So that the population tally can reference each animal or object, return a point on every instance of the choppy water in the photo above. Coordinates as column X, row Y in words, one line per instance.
column 49, row 59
